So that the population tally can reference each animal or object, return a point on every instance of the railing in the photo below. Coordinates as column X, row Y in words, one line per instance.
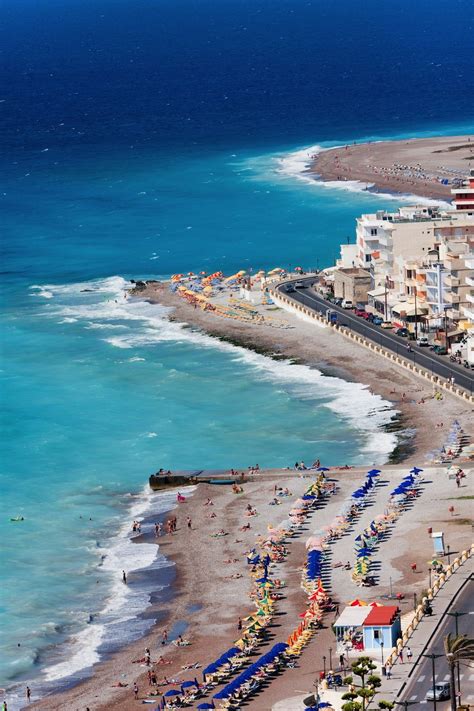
column 418, row 614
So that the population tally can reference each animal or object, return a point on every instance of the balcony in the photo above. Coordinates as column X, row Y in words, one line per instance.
column 468, row 313
column 451, row 297
column 470, row 298
column 470, row 281
column 450, row 280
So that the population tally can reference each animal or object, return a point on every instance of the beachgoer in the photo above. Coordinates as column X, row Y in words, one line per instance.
column 157, row 530
column 400, row 656
column 239, row 624
column 124, row 577
column 164, row 637
column 189, row 522
column 28, row 693
column 341, row 660
column 135, row 690
column 149, row 678
column 4, row 707
column 147, row 657
column 409, row 654
column 153, row 678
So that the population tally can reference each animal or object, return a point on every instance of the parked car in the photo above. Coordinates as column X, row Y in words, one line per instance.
column 290, row 289
column 386, row 324
column 300, row 285
column 362, row 313
column 422, row 341
column 337, row 301
column 439, row 350
column 403, row 332
column 347, row 304
column 377, row 320
column 440, row 692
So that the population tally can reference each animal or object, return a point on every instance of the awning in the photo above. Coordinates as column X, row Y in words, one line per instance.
column 379, row 291
column 409, row 309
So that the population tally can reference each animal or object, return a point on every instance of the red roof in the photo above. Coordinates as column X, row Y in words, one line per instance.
column 381, row 616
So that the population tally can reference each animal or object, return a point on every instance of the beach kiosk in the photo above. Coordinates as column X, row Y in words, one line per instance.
column 381, row 626
column 348, row 628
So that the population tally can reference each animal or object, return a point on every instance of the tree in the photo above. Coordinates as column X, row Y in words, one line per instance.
column 386, row 704
column 362, row 667
column 457, row 648
column 374, row 681
column 352, row 706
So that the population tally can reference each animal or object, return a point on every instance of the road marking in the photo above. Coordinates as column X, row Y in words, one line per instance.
column 422, row 677
column 471, row 677
column 446, row 677
column 414, row 697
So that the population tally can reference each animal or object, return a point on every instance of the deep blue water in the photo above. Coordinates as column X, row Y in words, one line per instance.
column 145, row 138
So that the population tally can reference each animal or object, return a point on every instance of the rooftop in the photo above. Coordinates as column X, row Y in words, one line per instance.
column 381, row 616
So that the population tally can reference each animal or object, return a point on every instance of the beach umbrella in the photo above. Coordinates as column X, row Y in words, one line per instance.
column 206, row 706
column 416, row 470
column 172, row 692
column 374, row 472
column 322, row 469
column 356, row 603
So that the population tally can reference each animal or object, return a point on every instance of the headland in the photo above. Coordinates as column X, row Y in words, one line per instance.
column 427, row 167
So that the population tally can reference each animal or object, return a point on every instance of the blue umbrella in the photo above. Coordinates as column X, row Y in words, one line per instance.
column 374, row 472
column 322, row 469
column 206, row 706
column 416, row 470
column 172, row 692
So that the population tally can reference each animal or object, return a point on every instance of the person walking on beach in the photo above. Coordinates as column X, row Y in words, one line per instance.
column 147, row 657
column 409, row 654
column 4, row 706
column 164, row 637
column 28, row 694
column 189, row 522
column 124, row 577
column 135, row 690
column 239, row 624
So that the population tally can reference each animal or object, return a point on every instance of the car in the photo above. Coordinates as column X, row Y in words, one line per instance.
column 439, row 350
column 386, row 324
column 347, row 304
column 300, row 285
column 403, row 332
column 440, row 692
column 377, row 320
column 361, row 312
column 337, row 302
column 290, row 289
column 422, row 341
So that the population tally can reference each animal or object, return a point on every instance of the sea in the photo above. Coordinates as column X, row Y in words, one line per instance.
column 145, row 138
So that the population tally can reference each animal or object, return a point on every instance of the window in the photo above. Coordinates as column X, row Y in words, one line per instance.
column 377, row 634
column 368, row 257
column 373, row 231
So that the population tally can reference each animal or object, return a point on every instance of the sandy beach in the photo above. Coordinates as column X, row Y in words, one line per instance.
column 415, row 166
column 211, row 587
column 210, row 593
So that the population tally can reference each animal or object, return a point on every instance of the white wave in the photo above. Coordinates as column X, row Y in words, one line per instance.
column 151, row 435
column 43, row 291
column 353, row 402
column 136, row 359
column 124, row 602
column 297, row 163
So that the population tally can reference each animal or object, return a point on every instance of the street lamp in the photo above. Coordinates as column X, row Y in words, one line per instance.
column 448, row 554
column 381, row 650
column 433, row 657
column 429, row 574
column 456, row 616
column 330, row 657
column 324, row 666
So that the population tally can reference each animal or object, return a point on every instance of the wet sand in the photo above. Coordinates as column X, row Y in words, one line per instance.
column 409, row 166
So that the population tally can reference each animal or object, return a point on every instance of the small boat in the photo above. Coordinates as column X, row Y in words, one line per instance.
column 17, row 518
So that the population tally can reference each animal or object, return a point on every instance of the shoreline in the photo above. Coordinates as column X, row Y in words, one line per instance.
column 332, row 354
column 316, row 347
column 413, row 167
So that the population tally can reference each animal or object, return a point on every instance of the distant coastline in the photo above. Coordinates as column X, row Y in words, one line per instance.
column 425, row 167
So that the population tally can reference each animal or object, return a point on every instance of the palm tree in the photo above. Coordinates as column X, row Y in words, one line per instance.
column 457, row 648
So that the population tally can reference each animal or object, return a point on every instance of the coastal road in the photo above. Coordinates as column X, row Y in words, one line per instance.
column 422, row 677
column 423, row 357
